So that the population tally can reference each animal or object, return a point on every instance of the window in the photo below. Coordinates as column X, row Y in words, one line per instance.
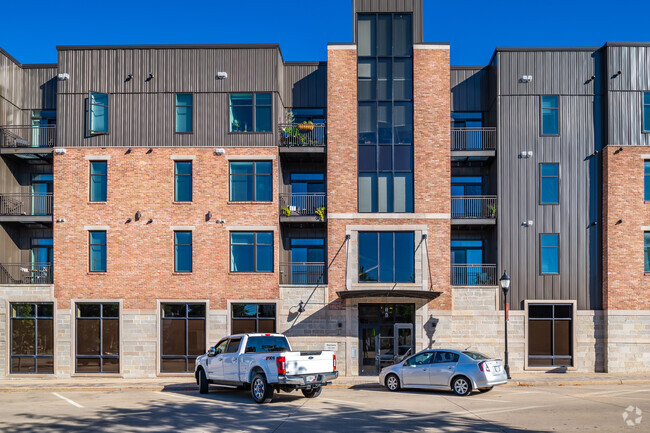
column 549, row 184
column 467, row 131
column 184, row 113
column 182, row 336
column 385, row 113
column 97, row 251
column 646, row 251
column 550, row 335
column 98, row 338
column 98, row 180
column 97, row 113
column 445, row 357
column 386, row 257
column 251, row 181
column 182, row 180
column 249, row 318
column 550, row 115
column 250, row 112
column 233, row 345
column 267, row 344
column 182, row 251
column 251, row 251
column 549, row 253
column 646, row 112
column 422, row 358
column 32, row 338
column 646, row 179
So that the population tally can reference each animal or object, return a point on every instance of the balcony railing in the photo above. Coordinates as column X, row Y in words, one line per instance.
column 303, row 204
column 302, row 273
column 30, row 204
column 468, row 139
column 474, row 206
column 26, row 273
column 28, row 136
column 301, row 135
column 474, row 275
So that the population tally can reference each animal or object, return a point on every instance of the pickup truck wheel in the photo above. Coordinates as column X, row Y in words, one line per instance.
column 392, row 382
column 203, row 382
column 260, row 389
column 312, row 393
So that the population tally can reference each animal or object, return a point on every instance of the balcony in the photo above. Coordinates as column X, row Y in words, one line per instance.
column 25, row 273
column 473, row 143
column 27, row 136
column 302, row 138
column 474, row 275
column 474, row 210
column 303, row 207
column 302, row 273
column 26, row 207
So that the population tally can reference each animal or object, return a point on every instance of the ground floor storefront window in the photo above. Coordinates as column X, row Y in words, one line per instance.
column 182, row 336
column 98, row 337
column 550, row 335
column 248, row 318
column 32, row 338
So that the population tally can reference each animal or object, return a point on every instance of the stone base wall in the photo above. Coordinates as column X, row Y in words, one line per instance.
column 627, row 341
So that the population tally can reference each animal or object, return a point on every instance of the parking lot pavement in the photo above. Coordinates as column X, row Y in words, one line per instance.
column 504, row 409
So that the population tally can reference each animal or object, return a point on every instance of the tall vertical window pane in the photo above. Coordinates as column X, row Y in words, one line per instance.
column 550, row 115
column 97, row 251
column 184, row 112
column 384, row 35
column 367, row 118
column 549, row 253
column 646, row 179
column 367, row 192
column 183, row 251
column 98, row 181
column 182, row 329
column 32, row 338
column 97, row 338
column 183, row 181
column 646, row 251
column 549, row 183
column 402, row 35
column 97, row 113
column 251, row 181
column 366, row 40
column 646, row 112
column 367, row 74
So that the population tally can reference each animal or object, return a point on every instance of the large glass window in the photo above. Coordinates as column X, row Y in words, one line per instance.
column 184, row 113
column 646, row 180
column 550, row 115
column 646, row 251
column 251, row 181
column 250, row 112
column 386, row 257
column 183, row 251
column 646, row 112
column 97, row 251
column 549, row 184
column 98, row 180
column 550, row 253
column 249, row 318
column 97, row 113
column 251, row 251
column 182, row 180
column 385, row 113
column 98, row 338
column 550, row 335
column 32, row 338
column 182, row 329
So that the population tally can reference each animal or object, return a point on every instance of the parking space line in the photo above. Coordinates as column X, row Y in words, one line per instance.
column 198, row 400
column 493, row 411
column 342, row 401
column 74, row 403
column 491, row 399
column 183, row 397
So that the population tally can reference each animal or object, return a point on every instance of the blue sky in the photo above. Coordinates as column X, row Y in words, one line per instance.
column 303, row 27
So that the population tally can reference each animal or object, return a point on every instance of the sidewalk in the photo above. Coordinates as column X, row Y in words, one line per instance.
column 188, row 383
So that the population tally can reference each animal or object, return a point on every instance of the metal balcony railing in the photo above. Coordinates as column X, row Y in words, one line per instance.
column 303, row 273
column 301, row 135
column 30, row 204
column 474, row 275
column 28, row 136
column 465, row 139
column 26, row 273
column 302, row 204
column 480, row 206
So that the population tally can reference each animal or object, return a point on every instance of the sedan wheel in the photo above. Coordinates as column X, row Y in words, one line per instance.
column 392, row 382
column 461, row 386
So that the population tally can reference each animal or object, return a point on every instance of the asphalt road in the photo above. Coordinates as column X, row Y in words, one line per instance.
column 504, row 409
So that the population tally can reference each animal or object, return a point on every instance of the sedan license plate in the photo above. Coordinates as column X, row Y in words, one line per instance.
column 497, row 369
column 309, row 379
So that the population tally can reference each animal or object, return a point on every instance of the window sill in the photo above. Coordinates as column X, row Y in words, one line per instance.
column 182, row 273
column 249, row 133
column 250, row 273
column 99, row 374
column 98, row 203
column 258, row 203
column 182, row 203
column 96, row 273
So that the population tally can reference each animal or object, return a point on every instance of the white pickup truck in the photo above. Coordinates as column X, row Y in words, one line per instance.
column 265, row 363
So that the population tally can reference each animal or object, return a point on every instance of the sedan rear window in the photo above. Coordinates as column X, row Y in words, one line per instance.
column 267, row 344
column 476, row 356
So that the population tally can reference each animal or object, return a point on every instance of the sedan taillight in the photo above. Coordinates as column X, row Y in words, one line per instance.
column 483, row 366
column 281, row 362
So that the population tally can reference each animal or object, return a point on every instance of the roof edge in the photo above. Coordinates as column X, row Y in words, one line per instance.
column 164, row 46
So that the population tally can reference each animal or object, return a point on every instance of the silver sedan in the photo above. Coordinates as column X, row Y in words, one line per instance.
column 460, row 370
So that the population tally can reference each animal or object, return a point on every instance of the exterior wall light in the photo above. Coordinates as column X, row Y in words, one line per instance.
column 222, row 75
column 220, row 151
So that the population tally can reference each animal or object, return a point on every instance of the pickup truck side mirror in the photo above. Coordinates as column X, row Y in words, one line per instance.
column 212, row 351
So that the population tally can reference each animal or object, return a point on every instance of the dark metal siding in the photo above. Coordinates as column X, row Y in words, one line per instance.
column 380, row 6
column 305, row 85
column 469, row 89
column 39, row 86
column 518, row 189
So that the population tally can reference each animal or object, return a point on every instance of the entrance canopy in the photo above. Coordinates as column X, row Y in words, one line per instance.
column 423, row 294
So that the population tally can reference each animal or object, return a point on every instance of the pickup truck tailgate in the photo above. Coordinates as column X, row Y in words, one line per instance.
column 309, row 362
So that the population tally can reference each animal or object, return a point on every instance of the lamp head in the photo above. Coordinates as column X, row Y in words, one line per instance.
column 504, row 282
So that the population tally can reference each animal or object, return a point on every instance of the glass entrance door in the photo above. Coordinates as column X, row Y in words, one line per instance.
column 42, row 194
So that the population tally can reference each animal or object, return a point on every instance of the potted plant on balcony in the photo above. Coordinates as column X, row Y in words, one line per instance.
column 492, row 211
column 321, row 211
column 306, row 126
column 285, row 211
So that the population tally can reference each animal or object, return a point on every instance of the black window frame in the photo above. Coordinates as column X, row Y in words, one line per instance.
column 394, row 256
column 541, row 177
column 254, row 117
column 541, row 256
column 553, row 320
column 255, row 245
column 541, row 115
column 36, row 356
column 90, row 245
column 176, row 107
column 254, row 180
column 93, row 132
column 105, row 176
column 101, row 318
column 189, row 359
column 178, row 175
column 257, row 315
column 177, row 245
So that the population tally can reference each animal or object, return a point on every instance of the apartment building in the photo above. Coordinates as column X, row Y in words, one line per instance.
column 157, row 198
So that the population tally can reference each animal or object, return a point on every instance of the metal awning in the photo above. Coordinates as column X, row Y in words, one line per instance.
column 371, row 293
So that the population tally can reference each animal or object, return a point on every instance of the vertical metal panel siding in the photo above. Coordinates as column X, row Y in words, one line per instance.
column 305, row 85
column 11, row 85
column 469, row 89
column 580, row 126
column 39, row 88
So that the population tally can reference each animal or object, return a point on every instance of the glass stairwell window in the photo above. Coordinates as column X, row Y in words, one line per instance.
column 97, row 119
column 386, row 257
column 184, row 114
column 550, row 118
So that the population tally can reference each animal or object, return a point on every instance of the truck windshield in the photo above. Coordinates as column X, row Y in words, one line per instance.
column 267, row 344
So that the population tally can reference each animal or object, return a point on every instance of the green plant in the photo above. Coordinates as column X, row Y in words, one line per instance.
column 285, row 211
column 492, row 210
column 288, row 114
column 307, row 122
column 321, row 211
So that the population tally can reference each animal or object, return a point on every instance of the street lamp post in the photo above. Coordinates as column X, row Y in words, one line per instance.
column 504, row 281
